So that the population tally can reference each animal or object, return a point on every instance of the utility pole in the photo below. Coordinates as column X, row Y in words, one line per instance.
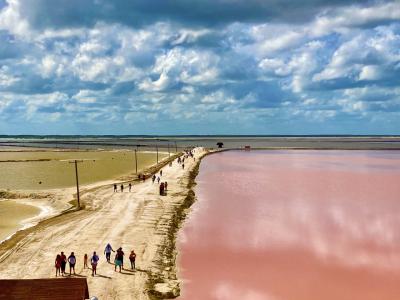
column 77, row 180
column 157, row 151
column 136, row 160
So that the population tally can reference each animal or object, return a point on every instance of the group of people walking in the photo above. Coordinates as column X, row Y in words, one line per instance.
column 61, row 261
column 188, row 153
column 162, row 185
column 122, row 187
column 119, row 257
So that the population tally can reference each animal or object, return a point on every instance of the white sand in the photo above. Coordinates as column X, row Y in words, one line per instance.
column 139, row 220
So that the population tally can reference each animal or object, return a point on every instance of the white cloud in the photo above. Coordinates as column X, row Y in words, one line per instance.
column 7, row 79
column 85, row 96
column 281, row 42
column 185, row 66
column 370, row 73
column 306, row 69
column 48, row 66
column 189, row 36
column 342, row 20
column 157, row 85
column 11, row 20
column 275, row 66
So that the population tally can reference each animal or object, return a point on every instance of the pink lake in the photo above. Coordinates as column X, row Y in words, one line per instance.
column 298, row 225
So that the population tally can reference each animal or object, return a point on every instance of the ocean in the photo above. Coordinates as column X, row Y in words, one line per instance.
column 208, row 141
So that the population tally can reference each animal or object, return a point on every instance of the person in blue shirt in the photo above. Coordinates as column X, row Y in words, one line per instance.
column 94, row 260
column 107, row 252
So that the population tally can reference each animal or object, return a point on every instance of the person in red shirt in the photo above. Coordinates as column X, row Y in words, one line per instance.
column 57, row 264
column 132, row 258
column 85, row 259
column 63, row 263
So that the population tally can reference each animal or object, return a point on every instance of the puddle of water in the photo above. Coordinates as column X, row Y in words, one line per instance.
column 294, row 225
column 12, row 214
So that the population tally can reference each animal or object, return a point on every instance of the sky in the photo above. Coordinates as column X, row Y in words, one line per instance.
column 199, row 67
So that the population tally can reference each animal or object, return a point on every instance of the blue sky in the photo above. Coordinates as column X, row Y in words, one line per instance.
column 199, row 67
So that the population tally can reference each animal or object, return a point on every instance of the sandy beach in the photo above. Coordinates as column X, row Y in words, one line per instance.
column 141, row 220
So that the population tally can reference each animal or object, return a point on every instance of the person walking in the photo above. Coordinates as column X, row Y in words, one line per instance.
column 122, row 256
column 119, row 260
column 130, row 187
column 57, row 264
column 107, row 252
column 153, row 178
column 72, row 262
column 94, row 260
column 183, row 166
column 63, row 263
column 160, row 173
column 158, row 179
column 162, row 189
column 132, row 259
column 115, row 188
column 85, row 258
column 122, row 188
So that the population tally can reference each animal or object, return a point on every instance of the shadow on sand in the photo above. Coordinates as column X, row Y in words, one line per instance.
column 77, row 275
column 102, row 276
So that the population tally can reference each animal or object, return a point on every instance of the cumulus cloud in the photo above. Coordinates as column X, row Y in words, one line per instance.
column 268, row 65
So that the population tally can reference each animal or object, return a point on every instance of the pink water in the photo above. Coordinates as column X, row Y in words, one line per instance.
column 298, row 225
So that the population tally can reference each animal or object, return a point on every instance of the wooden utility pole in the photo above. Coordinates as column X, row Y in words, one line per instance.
column 77, row 180
column 157, row 151
column 136, row 160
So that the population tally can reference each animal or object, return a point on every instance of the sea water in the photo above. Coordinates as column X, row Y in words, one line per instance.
column 13, row 215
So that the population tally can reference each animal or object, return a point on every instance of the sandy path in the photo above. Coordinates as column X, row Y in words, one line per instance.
column 138, row 220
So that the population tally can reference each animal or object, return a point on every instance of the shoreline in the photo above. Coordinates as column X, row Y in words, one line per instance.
column 44, row 213
column 165, row 283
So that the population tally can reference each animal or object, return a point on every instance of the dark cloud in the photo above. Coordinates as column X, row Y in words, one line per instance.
column 123, row 88
column 76, row 13
column 261, row 94
column 9, row 47
column 29, row 84
column 51, row 109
